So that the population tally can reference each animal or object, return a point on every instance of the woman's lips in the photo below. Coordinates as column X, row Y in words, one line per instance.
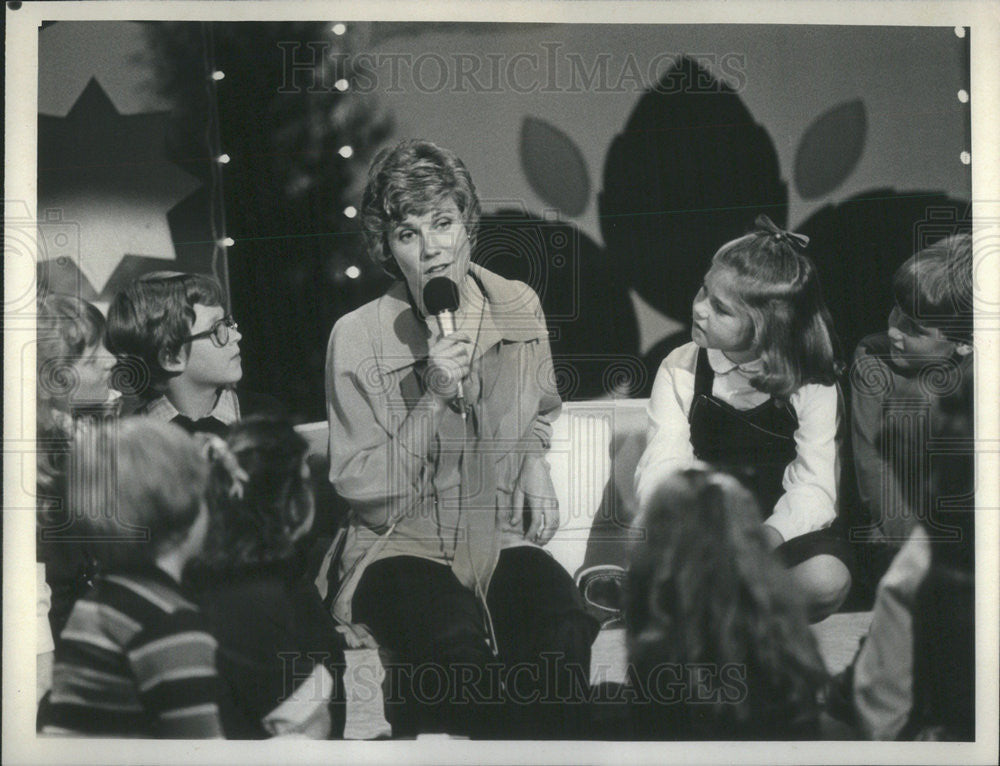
column 434, row 271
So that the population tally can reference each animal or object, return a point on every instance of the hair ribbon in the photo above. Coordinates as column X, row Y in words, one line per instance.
column 215, row 449
column 799, row 241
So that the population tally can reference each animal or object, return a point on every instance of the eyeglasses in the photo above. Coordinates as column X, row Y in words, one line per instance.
column 218, row 332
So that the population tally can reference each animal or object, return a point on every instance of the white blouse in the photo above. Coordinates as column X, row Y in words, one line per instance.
column 810, row 480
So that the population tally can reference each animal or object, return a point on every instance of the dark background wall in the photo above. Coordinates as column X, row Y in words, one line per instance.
column 612, row 161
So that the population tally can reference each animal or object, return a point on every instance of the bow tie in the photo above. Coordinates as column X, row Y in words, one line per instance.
column 202, row 425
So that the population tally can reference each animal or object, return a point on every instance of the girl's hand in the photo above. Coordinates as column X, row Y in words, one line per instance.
column 534, row 491
column 448, row 363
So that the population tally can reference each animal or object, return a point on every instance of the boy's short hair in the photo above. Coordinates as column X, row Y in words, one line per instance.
column 137, row 485
column 934, row 287
column 154, row 314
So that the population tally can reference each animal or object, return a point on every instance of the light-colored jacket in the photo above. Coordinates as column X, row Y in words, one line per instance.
column 452, row 504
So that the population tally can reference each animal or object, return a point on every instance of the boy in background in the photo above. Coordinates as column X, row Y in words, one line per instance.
column 898, row 375
column 135, row 658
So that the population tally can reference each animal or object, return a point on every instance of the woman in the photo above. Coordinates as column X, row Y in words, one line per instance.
column 438, row 443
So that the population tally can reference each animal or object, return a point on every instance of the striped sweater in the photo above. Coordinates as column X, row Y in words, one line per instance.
column 135, row 660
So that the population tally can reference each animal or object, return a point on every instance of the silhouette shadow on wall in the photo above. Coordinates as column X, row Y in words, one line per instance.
column 691, row 171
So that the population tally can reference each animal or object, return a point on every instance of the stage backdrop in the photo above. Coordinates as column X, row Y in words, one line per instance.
column 612, row 160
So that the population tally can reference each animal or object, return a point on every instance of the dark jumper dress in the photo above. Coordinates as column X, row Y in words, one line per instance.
column 756, row 445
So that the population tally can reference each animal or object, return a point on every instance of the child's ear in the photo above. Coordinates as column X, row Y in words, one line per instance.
column 171, row 362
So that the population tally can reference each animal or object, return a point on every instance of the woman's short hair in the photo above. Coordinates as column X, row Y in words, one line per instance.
column 778, row 287
column 136, row 486
column 934, row 287
column 257, row 521
column 408, row 179
column 704, row 589
column 153, row 314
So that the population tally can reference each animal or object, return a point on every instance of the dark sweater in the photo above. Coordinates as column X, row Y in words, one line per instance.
column 272, row 630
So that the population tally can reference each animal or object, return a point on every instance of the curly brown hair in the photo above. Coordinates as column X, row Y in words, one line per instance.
column 410, row 178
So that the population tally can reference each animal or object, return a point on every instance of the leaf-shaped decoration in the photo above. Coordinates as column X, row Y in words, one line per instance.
column 830, row 149
column 554, row 166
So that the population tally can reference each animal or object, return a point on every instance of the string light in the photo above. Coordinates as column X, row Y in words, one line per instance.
column 339, row 29
column 227, row 241
column 222, row 159
column 346, row 152
column 963, row 96
column 959, row 31
column 965, row 157
column 341, row 85
column 218, row 74
column 352, row 272
column 350, row 211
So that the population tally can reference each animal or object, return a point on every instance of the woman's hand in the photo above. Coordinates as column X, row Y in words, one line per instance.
column 534, row 491
column 448, row 363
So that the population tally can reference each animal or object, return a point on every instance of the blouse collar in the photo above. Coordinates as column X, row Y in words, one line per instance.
column 722, row 364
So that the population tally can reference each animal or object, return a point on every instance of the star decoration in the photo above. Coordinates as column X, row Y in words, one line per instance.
column 106, row 177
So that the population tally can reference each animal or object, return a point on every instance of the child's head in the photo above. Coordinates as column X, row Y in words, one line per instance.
column 932, row 317
column 762, row 299
column 703, row 588
column 259, row 498
column 175, row 325
column 138, row 485
column 72, row 364
column 413, row 179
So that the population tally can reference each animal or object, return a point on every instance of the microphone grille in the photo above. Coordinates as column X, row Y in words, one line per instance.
column 440, row 294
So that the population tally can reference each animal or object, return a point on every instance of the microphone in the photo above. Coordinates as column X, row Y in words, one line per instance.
column 441, row 300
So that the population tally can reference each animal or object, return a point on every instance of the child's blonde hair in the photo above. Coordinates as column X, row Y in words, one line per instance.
column 778, row 288
column 934, row 287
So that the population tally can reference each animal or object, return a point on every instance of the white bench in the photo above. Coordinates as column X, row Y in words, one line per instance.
column 593, row 443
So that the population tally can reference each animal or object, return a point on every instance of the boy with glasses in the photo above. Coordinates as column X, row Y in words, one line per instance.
column 183, row 348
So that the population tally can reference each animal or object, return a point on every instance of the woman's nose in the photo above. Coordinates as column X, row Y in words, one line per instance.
column 432, row 242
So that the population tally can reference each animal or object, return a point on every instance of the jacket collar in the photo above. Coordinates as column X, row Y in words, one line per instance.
column 507, row 312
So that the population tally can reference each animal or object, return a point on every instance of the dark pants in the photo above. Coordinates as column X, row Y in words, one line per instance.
column 444, row 675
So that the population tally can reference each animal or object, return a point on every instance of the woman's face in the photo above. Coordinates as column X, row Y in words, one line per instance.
column 432, row 244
